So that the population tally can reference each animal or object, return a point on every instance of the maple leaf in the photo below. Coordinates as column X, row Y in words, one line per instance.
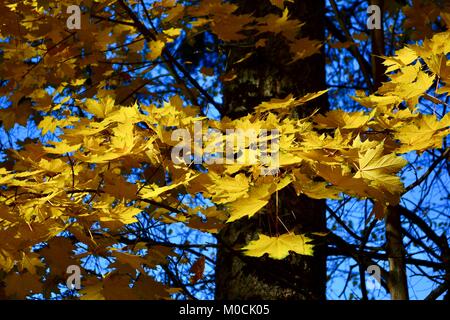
column 279, row 247
column 342, row 119
column 7, row 261
column 117, row 287
column 409, row 83
column 59, row 255
column 198, row 268
column 404, row 57
column 304, row 48
column 288, row 102
column 257, row 198
column 134, row 261
column 313, row 189
column 124, row 215
column 62, row 148
column 148, row 289
column 372, row 101
column 373, row 163
column 19, row 286
column 101, row 108
column 245, row 208
column 92, row 291
column 29, row 262
column 156, row 49
column 50, row 124
column 377, row 170
column 423, row 133
column 228, row 189
column 280, row 24
column 228, row 28
column 155, row 191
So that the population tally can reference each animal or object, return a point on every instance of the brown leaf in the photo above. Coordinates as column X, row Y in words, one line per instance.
column 198, row 269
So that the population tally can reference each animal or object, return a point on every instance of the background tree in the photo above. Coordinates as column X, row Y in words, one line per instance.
column 403, row 23
column 88, row 179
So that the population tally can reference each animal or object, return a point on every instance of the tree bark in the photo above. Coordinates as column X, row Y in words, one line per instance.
column 263, row 76
column 397, row 280
column 378, row 50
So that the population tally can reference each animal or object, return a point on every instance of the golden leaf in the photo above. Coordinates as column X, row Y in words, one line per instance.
column 279, row 247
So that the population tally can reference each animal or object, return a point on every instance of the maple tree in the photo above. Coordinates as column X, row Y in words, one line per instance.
column 106, row 101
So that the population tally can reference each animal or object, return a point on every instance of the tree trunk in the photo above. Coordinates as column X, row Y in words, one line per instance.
column 378, row 50
column 397, row 281
column 263, row 76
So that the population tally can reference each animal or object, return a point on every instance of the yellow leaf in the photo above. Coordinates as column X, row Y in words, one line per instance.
column 278, row 247
column 379, row 172
column 125, row 215
column 373, row 101
column 373, row 162
column 341, row 119
column 155, row 191
column 62, row 148
column 93, row 292
column 246, row 207
column 172, row 32
column 288, row 102
column 228, row 189
column 78, row 82
column 49, row 124
column 6, row 260
column 29, row 262
column 156, row 49
column 424, row 132
column 101, row 108
column 313, row 189
column 257, row 199
column 403, row 58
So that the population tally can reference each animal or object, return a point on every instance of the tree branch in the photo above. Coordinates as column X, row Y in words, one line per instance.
column 429, row 171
